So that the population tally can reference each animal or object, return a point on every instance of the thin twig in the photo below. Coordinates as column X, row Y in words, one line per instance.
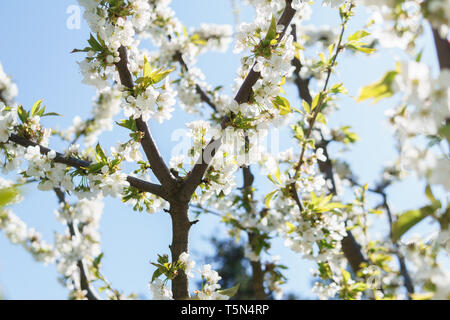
column 203, row 96
column 85, row 285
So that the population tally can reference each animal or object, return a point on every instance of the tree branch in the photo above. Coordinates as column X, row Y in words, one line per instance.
column 244, row 92
column 196, row 175
column 84, row 281
column 350, row 247
column 203, row 96
column 257, row 270
column 401, row 259
column 157, row 163
column 139, row 184
column 442, row 49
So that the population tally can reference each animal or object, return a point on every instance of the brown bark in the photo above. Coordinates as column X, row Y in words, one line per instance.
column 257, row 269
column 257, row 277
column 180, row 239
column 442, row 49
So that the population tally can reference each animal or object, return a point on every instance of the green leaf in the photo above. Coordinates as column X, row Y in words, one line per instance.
column 231, row 292
column 35, row 108
column 94, row 168
column 291, row 227
column 48, row 114
column 410, row 218
column 375, row 211
column 196, row 39
column 321, row 118
column 379, row 90
column 147, row 68
column 7, row 196
column 160, row 75
column 346, row 275
column 272, row 32
column 128, row 124
column 22, row 113
column 444, row 131
column 306, row 106
column 98, row 260
column 360, row 46
column 282, row 104
column 298, row 132
column 269, row 197
column 429, row 193
column 333, row 205
column 101, row 153
column 358, row 35
column 422, row 296
column 339, row 88
column 316, row 101
column 419, row 56
column 358, row 287
column 331, row 49
column 95, row 45
column 156, row 274
column 347, row 136
column 278, row 175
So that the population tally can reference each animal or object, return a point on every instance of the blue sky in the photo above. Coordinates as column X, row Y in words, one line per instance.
column 36, row 46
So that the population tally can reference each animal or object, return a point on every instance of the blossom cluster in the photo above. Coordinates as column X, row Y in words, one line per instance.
column 81, row 241
column 210, row 286
column 79, row 244
column 18, row 232
column 8, row 89
column 399, row 23
column 428, row 108
column 106, row 106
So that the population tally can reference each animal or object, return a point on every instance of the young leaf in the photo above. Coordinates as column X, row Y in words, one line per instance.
column 51, row 114
column 101, row 153
column 291, row 227
column 269, row 197
column 23, row 115
column 444, row 131
column 272, row 32
column 346, row 275
column 95, row 45
column 316, row 101
column 7, row 196
column 410, row 218
column 231, row 292
column 36, row 107
column 282, row 104
column 160, row 75
column 306, row 107
column 358, row 35
column 129, row 124
column 379, row 90
column 298, row 132
column 147, row 68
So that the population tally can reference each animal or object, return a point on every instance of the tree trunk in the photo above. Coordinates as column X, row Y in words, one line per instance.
column 180, row 239
column 257, row 276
